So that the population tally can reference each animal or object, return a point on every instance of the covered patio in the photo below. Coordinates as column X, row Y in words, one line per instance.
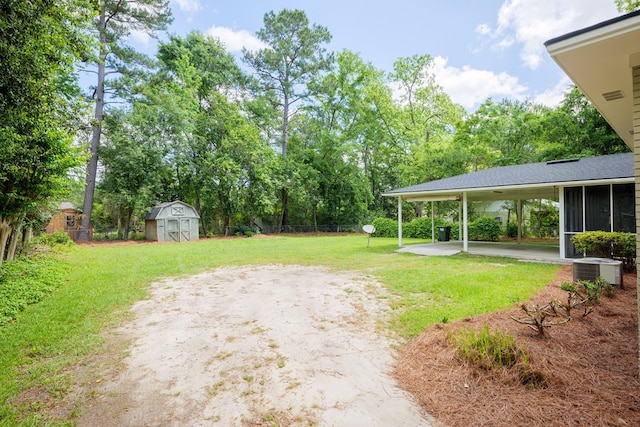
column 524, row 252
column 594, row 194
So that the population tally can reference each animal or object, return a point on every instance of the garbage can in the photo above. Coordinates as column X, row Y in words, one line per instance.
column 444, row 233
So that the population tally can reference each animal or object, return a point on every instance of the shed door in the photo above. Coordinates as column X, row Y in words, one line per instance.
column 179, row 230
column 185, row 230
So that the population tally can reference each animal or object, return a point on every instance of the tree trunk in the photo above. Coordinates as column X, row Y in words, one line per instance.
column 226, row 222
column 127, row 224
column 13, row 243
column 27, row 235
column 284, row 220
column 284, row 217
column 92, row 167
column 198, row 206
column 5, row 231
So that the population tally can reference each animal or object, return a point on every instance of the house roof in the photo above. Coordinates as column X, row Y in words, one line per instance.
column 529, row 181
column 598, row 60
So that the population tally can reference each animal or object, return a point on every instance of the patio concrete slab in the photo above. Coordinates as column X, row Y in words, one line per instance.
column 524, row 252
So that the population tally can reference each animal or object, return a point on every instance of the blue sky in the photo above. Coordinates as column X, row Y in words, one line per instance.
column 482, row 48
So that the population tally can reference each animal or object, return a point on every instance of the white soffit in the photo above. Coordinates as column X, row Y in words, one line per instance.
column 597, row 60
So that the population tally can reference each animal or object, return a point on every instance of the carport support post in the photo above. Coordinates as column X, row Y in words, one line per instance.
column 399, row 221
column 519, row 213
column 433, row 225
column 465, row 218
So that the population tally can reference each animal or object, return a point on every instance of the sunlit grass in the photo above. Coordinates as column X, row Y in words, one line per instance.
column 104, row 281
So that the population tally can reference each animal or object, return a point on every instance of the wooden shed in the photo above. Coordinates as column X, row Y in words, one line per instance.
column 172, row 222
column 67, row 219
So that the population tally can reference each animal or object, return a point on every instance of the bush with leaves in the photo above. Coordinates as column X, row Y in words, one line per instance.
column 485, row 229
column 27, row 280
column 53, row 239
column 385, row 227
column 606, row 244
column 420, row 228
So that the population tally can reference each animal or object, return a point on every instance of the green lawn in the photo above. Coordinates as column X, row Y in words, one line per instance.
column 103, row 281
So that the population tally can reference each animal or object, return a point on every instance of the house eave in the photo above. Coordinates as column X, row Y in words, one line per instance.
column 511, row 192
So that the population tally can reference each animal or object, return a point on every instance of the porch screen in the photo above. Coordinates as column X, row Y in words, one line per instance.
column 624, row 218
column 597, row 208
column 573, row 209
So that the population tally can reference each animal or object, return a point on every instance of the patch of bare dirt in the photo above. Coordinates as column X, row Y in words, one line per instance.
column 252, row 346
column 590, row 368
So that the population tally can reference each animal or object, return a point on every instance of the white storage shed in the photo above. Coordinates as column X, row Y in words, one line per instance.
column 172, row 222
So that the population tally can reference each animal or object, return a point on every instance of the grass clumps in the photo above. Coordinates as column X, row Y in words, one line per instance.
column 488, row 350
column 493, row 350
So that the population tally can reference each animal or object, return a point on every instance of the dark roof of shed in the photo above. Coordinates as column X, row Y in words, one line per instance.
column 155, row 211
column 601, row 168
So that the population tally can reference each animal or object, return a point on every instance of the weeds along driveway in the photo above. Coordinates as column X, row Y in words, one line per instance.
column 270, row 345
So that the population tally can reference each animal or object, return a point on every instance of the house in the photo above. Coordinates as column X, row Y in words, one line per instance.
column 66, row 219
column 603, row 60
column 172, row 222
column 594, row 193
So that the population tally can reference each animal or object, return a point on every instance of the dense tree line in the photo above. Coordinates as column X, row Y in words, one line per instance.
column 306, row 137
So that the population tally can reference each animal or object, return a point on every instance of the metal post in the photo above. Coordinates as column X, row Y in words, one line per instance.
column 465, row 218
column 400, row 221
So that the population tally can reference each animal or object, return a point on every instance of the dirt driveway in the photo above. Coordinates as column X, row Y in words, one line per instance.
column 267, row 346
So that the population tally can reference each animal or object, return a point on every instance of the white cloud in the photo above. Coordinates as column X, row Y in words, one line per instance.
column 234, row 41
column 469, row 87
column 554, row 96
column 189, row 6
column 140, row 37
column 529, row 23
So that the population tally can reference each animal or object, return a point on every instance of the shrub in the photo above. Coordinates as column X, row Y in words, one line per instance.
column 385, row 227
column 511, row 229
column 243, row 230
column 53, row 239
column 420, row 228
column 605, row 244
column 27, row 280
column 485, row 229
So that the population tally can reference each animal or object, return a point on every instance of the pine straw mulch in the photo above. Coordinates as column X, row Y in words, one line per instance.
column 590, row 368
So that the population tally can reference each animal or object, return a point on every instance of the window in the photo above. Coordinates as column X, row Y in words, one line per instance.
column 71, row 221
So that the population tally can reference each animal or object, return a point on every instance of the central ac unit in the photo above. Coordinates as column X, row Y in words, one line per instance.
column 591, row 268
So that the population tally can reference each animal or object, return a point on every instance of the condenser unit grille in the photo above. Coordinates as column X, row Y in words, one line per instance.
column 591, row 268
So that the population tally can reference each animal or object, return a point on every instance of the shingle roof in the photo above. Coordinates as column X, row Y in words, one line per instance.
column 601, row 168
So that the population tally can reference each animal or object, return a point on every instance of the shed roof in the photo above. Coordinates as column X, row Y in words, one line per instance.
column 533, row 180
column 63, row 206
column 155, row 212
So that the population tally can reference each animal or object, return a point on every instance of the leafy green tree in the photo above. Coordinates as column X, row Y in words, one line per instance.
column 627, row 5
column 427, row 121
column 39, row 42
column 221, row 163
column 132, row 157
column 576, row 129
column 114, row 21
column 499, row 134
column 294, row 55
